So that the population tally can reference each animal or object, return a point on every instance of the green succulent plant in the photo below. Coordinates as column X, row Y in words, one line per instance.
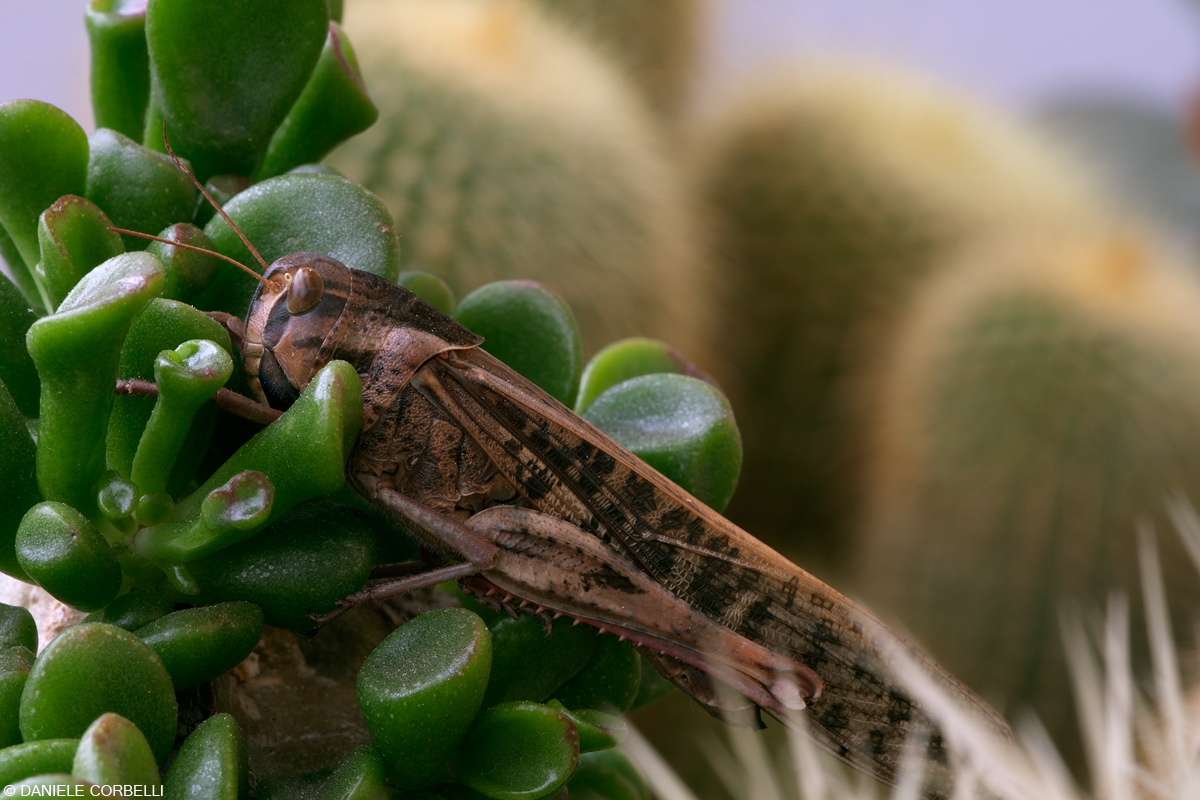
column 193, row 536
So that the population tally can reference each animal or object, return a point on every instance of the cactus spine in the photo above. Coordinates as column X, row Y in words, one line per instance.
column 1040, row 405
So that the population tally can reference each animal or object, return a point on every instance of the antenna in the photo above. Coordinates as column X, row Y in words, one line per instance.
column 194, row 248
column 209, row 197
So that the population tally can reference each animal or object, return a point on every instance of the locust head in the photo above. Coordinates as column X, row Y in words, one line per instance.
column 286, row 338
column 291, row 326
column 310, row 309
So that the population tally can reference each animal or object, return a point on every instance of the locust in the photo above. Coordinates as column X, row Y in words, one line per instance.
column 529, row 506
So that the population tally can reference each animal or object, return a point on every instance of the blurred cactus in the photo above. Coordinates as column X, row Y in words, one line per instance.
column 835, row 190
column 1040, row 406
column 657, row 42
column 508, row 148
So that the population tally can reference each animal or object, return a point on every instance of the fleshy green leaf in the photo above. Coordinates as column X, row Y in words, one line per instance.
column 446, row 791
column 198, row 644
column 297, row 787
column 36, row 758
column 428, row 287
column 17, row 628
column 113, row 752
column 305, row 563
column 681, row 426
column 362, row 775
column 597, row 730
column 93, row 668
column 421, row 688
column 518, row 750
column 630, row 358
column 652, row 687
column 43, row 155
column 139, row 188
column 231, row 513
column 117, row 499
column 222, row 189
column 529, row 665
column 317, row 431
column 133, row 610
column 120, row 64
column 530, row 329
column 16, row 367
column 301, row 213
column 187, row 377
column 225, row 78
column 15, row 663
column 61, row 550
column 153, row 508
column 76, row 351
column 610, row 680
column 74, row 239
column 211, row 764
column 18, row 476
column 607, row 775
column 333, row 107
column 164, row 325
column 10, row 254
column 185, row 272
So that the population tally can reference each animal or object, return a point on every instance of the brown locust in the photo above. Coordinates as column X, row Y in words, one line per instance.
column 524, row 502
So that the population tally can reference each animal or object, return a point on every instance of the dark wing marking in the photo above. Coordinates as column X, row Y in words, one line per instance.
column 564, row 467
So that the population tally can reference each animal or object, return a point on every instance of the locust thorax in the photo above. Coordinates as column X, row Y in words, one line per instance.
column 289, row 325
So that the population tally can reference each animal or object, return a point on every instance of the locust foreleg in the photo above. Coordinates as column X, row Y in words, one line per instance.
column 478, row 553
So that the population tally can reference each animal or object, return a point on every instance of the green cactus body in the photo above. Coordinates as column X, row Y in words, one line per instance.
column 1039, row 407
column 835, row 190
column 657, row 41
column 508, row 148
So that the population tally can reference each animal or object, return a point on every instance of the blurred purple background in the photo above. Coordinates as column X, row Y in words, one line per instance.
column 1017, row 52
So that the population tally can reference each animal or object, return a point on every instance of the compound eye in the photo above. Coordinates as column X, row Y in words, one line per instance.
column 305, row 292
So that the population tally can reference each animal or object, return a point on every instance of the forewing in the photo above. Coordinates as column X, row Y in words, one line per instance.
column 564, row 467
